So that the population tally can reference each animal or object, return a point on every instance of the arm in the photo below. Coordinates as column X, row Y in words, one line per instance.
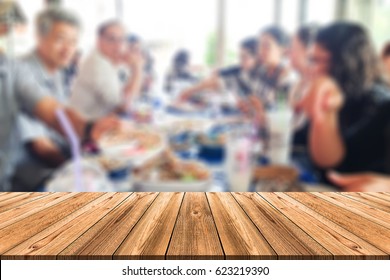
column 211, row 83
column 361, row 182
column 44, row 149
column 136, row 62
column 322, row 105
column 33, row 100
column 325, row 141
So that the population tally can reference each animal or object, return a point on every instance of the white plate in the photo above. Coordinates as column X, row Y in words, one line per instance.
column 125, row 154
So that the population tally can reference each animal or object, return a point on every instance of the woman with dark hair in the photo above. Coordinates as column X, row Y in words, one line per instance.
column 237, row 78
column 348, row 105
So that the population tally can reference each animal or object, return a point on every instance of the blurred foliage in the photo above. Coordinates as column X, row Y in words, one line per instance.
column 211, row 50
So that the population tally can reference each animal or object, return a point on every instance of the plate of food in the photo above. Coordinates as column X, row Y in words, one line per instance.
column 170, row 174
column 133, row 145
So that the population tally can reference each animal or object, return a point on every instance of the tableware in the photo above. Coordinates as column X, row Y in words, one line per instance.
column 172, row 174
column 280, row 132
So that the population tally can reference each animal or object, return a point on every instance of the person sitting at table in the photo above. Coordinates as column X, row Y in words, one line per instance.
column 100, row 87
column 237, row 78
column 386, row 62
column 347, row 103
column 19, row 92
column 274, row 77
column 301, row 43
column 273, row 80
column 44, row 148
column 180, row 71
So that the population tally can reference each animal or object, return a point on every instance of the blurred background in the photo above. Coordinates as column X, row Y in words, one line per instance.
column 211, row 29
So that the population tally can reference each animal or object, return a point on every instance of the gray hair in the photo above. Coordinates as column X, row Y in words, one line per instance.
column 48, row 17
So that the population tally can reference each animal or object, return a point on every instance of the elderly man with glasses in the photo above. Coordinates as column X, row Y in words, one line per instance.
column 110, row 77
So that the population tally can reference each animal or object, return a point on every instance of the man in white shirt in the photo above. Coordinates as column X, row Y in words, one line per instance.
column 101, row 86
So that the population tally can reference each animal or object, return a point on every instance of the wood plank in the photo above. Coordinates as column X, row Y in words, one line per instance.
column 336, row 239
column 369, row 200
column 55, row 238
column 379, row 195
column 286, row 238
column 239, row 236
column 104, row 238
column 37, row 222
column 378, row 216
column 20, row 200
column 195, row 235
column 149, row 239
column 372, row 232
column 20, row 212
column 9, row 195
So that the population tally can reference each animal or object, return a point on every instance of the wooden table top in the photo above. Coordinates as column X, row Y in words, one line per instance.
column 195, row 225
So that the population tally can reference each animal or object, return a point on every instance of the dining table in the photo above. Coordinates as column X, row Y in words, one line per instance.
column 194, row 225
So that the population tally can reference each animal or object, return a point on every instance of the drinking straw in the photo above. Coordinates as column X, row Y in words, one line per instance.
column 75, row 148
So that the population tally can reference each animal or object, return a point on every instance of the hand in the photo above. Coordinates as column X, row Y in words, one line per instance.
column 135, row 59
column 185, row 95
column 103, row 125
column 361, row 182
column 324, row 98
column 244, row 106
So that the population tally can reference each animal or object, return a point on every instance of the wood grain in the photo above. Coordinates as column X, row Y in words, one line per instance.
column 286, row 238
column 367, row 230
column 150, row 237
column 19, row 200
column 235, row 228
column 369, row 200
column 340, row 242
column 9, row 195
column 24, row 229
column 379, row 195
column 378, row 216
column 16, row 214
column 52, row 240
column 195, row 235
column 195, row 225
column 103, row 239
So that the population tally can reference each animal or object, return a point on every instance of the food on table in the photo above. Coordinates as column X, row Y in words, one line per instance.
column 142, row 139
column 130, row 145
column 168, row 168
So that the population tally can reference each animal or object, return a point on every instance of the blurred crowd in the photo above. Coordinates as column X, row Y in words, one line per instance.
column 332, row 77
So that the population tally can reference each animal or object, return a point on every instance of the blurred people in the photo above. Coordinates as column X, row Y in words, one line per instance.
column 237, row 78
column 274, row 77
column 180, row 71
column 20, row 92
column 134, row 43
column 301, row 43
column 100, row 87
column 386, row 62
column 348, row 104
column 57, row 37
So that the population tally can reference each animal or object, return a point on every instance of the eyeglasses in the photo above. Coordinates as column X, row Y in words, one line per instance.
column 113, row 39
